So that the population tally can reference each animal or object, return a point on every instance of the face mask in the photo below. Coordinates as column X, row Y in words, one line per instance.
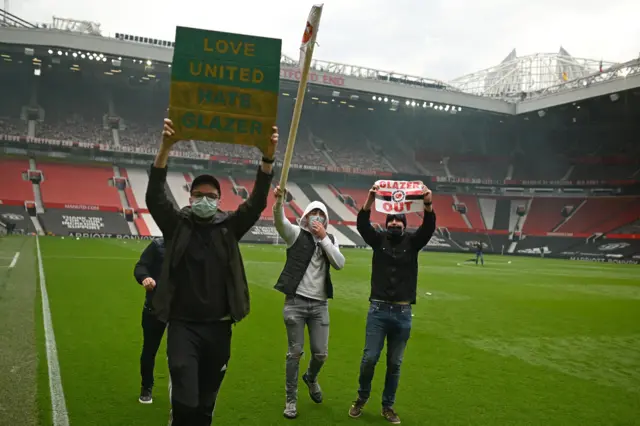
column 316, row 218
column 204, row 207
column 395, row 231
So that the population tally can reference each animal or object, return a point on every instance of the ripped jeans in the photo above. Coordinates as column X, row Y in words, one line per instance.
column 300, row 311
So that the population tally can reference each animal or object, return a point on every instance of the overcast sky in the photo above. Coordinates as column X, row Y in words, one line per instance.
column 440, row 39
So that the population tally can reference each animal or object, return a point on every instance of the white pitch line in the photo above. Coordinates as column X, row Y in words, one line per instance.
column 15, row 260
column 58, row 404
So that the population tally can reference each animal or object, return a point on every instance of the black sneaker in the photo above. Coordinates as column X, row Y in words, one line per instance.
column 145, row 396
column 356, row 409
column 391, row 416
column 315, row 392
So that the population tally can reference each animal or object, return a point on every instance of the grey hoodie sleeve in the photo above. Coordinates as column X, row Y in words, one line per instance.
column 332, row 250
column 287, row 231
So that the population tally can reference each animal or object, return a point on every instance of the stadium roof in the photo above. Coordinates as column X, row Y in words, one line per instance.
column 529, row 74
column 517, row 85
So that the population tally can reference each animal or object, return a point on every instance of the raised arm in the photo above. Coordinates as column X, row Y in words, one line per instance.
column 250, row 211
column 161, row 208
column 287, row 231
column 368, row 234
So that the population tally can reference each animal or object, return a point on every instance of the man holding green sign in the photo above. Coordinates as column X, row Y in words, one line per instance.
column 224, row 87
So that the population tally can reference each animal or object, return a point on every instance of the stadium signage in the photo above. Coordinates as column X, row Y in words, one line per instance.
column 605, row 260
column 511, row 182
column 90, row 223
column 224, row 87
column 314, row 77
column 105, row 235
column 396, row 196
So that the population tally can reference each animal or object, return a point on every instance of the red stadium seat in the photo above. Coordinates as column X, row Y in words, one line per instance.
column 70, row 184
column 13, row 189
column 602, row 214
column 473, row 210
column 545, row 213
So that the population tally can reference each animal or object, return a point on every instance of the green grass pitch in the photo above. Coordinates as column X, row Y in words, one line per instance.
column 531, row 342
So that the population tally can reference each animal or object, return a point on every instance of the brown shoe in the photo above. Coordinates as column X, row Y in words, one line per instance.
column 356, row 409
column 390, row 415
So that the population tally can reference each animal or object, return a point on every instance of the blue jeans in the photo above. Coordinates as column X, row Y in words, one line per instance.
column 479, row 256
column 392, row 322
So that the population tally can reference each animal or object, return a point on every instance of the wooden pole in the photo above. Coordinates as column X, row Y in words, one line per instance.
column 297, row 112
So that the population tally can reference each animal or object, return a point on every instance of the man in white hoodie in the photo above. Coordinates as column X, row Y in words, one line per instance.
column 306, row 282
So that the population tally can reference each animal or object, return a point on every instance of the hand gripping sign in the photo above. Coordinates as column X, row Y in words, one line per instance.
column 399, row 196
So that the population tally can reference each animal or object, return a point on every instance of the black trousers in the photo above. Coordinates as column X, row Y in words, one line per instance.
column 198, row 355
column 152, row 332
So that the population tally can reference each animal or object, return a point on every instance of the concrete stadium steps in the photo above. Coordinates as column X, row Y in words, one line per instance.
column 298, row 195
column 178, row 188
column 488, row 210
column 312, row 195
column 513, row 212
column 340, row 232
column 138, row 180
column 151, row 225
column 354, row 237
column 312, row 192
column 503, row 209
column 330, row 199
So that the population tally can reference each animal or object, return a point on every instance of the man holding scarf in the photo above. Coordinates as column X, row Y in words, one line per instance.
column 394, row 281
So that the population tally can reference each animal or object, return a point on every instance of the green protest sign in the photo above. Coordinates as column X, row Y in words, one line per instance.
column 224, row 87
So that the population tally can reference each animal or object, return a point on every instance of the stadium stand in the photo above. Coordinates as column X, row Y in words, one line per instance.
column 546, row 213
column 473, row 211
column 601, row 215
column 138, row 180
column 68, row 185
column 15, row 188
column 344, row 144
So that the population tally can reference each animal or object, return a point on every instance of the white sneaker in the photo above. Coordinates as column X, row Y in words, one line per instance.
column 291, row 410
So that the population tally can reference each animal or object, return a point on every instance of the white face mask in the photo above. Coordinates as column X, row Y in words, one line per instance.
column 204, row 207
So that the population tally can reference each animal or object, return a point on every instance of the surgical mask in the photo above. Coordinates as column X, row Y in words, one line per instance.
column 204, row 207
column 395, row 231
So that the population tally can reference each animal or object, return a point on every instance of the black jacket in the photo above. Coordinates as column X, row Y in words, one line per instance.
column 299, row 256
column 150, row 266
column 177, row 225
column 394, row 267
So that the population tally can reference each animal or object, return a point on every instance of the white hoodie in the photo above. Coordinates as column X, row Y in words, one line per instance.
column 312, row 284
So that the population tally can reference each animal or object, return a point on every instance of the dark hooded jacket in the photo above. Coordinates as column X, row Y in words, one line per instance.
column 229, row 227
column 150, row 266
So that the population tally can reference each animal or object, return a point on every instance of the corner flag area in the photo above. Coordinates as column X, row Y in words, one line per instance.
column 534, row 341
